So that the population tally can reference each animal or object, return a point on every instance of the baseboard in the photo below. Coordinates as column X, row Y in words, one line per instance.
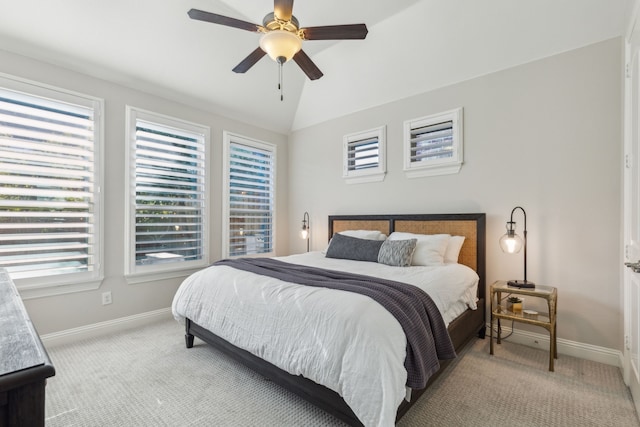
column 102, row 328
column 594, row 353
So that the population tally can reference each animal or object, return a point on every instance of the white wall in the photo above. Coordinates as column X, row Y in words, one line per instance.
column 52, row 314
column 545, row 136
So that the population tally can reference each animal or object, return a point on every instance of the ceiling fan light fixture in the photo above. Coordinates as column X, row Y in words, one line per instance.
column 280, row 44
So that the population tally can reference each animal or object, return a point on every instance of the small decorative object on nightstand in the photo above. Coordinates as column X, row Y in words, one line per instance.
column 514, row 304
column 512, row 312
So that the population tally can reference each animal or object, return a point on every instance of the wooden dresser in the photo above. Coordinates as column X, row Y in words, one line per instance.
column 24, row 363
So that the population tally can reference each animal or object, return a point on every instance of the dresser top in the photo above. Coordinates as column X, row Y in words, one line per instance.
column 20, row 347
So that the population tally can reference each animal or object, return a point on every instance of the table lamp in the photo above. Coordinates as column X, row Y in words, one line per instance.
column 512, row 243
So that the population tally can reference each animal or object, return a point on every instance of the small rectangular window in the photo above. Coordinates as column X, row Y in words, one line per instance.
column 249, row 196
column 167, row 198
column 433, row 144
column 364, row 156
column 49, row 187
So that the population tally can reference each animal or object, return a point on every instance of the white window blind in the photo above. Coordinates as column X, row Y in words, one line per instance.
column 169, row 215
column 250, row 197
column 48, row 187
column 364, row 156
column 433, row 144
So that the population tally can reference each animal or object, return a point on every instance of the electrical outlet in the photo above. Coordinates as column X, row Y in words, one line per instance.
column 106, row 298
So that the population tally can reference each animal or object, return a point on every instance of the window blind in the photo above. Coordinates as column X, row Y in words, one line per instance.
column 430, row 142
column 169, row 194
column 363, row 156
column 251, row 199
column 362, row 153
column 48, row 188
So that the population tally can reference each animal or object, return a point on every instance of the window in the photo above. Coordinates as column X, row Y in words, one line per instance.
column 364, row 156
column 167, row 209
column 249, row 197
column 433, row 144
column 49, row 188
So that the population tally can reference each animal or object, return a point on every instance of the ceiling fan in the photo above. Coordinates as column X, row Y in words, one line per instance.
column 282, row 36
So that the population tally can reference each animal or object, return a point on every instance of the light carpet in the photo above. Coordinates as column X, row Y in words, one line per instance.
column 146, row 377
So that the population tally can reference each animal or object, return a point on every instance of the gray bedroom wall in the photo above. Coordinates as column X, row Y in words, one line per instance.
column 545, row 136
column 73, row 310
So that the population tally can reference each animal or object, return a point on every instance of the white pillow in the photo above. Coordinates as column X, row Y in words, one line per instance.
column 452, row 253
column 365, row 234
column 430, row 248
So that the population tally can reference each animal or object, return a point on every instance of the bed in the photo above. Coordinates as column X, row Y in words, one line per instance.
column 461, row 328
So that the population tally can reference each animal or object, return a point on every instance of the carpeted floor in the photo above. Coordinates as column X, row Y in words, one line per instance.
column 146, row 377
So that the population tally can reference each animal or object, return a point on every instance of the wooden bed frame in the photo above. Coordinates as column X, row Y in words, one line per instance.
column 468, row 325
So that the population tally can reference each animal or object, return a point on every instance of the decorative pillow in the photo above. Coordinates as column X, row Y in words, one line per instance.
column 453, row 249
column 347, row 247
column 397, row 252
column 430, row 248
column 361, row 234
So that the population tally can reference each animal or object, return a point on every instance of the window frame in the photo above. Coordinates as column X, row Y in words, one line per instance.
column 373, row 174
column 37, row 287
column 145, row 273
column 435, row 167
column 228, row 139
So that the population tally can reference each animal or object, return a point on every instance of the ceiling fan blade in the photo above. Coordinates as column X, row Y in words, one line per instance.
column 336, row 32
column 249, row 61
column 283, row 9
column 214, row 18
column 307, row 65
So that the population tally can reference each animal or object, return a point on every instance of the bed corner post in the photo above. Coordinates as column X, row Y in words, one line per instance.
column 482, row 332
column 188, row 338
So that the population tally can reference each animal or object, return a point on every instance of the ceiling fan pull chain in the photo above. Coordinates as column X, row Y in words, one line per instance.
column 280, row 83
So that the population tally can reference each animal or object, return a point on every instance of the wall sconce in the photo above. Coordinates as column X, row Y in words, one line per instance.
column 512, row 243
column 306, row 224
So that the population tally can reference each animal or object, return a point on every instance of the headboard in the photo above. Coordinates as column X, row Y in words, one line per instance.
column 472, row 226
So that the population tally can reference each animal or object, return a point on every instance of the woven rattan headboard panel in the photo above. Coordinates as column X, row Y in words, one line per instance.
column 382, row 226
column 472, row 226
column 468, row 253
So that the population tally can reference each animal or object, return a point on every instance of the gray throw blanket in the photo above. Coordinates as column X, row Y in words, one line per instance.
column 427, row 336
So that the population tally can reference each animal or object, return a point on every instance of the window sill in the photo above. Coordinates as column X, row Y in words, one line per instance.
column 135, row 279
column 433, row 170
column 377, row 177
column 49, row 290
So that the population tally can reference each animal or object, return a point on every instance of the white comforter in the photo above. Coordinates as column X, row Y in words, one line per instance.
column 342, row 340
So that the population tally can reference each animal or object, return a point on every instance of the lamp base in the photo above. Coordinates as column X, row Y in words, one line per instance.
column 521, row 284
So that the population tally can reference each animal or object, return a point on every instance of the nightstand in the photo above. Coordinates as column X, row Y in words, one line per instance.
column 545, row 320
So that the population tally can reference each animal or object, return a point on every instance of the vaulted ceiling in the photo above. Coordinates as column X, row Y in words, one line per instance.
column 413, row 46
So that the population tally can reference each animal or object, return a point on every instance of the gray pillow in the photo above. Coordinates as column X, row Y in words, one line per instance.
column 397, row 252
column 347, row 247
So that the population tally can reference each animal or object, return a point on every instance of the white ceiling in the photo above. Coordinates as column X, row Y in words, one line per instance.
column 413, row 46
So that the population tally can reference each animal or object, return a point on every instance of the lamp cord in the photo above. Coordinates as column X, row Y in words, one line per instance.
column 498, row 330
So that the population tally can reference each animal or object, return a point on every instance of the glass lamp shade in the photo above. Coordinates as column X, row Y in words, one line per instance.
column 304, row 233
column 280, row 44
column 511, row 243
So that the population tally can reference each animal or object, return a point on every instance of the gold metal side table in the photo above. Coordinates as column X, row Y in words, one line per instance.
column 545, row 320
